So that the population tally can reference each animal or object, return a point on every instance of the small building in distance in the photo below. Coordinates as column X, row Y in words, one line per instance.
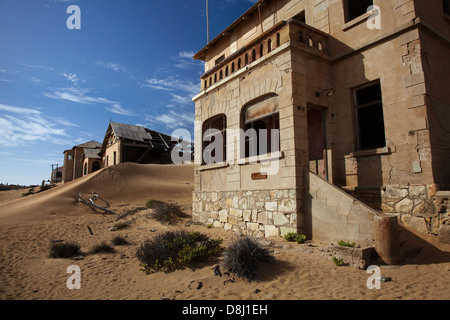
column 81, row 160
column 130, row 143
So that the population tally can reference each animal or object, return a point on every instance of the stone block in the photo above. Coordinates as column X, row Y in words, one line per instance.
column 271, row 206
column 271, row 231
column 356, row 257
column 415, row 223
column 404, row 206
column 223, row 215
column 286, row 230
column 444, row 233
column 280, row 219
column 287, row 205
column 417, row 192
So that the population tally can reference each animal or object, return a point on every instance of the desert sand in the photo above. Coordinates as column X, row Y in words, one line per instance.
column 300, row 272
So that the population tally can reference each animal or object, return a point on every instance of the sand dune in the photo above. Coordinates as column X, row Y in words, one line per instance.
column 301, row 271
column 121, row 184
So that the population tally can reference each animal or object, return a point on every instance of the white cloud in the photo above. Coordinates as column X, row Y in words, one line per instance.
column 20, row 126
column 78, row 95
column 118, row 109
column 173, row 119
column 112, row 66
column 72, row 77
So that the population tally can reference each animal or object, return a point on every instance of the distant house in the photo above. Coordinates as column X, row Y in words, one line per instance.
column 81, row 160
column 130, row 143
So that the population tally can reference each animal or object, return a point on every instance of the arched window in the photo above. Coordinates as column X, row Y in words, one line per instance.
column 215, row 77
column 226, row 71
column 205, row 84
column 278, row 39
column 269, row 45
column 210, row 81
column 246, row 59
column 220, row 75
column 261, row 125
column 85, row 169
column 261, row 50
column 239, row 63
column 214, row 140
column 253, row 55
column 232, row 67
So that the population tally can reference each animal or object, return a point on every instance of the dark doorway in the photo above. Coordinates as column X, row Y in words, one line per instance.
column 95, row 166
column 317, row 142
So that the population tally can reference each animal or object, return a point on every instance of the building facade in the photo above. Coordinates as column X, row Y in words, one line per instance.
column 350, row 92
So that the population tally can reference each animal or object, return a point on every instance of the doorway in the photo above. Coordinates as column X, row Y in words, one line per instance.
column 317, row 142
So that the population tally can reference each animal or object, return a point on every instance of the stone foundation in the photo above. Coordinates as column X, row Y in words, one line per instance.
column 258, row 213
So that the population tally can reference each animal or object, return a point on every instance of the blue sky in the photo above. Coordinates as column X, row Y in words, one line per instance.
column 130, row 62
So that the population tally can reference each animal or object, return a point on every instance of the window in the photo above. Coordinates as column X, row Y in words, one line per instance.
column 232, row 67
column 446, row 6
column 69, row 157
column 369, row 117
column 239, row 63
column 355, row 8
column 220, row 59
column 269, row 45
column 278, row 39
column 261, row 50
column 226, row 71
column 300, row 17
column 220, row 75
column 261, row 124
column 253, row 55
column 214, row 140
column 246, row 59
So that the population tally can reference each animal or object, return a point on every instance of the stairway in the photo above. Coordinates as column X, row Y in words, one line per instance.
column 332, row 214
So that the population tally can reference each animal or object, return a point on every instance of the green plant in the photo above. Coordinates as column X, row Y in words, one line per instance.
column 292, row 237
column 338, row 262
column 242, row 255
column 343, row 243
column 64, row 250
column 176, row 249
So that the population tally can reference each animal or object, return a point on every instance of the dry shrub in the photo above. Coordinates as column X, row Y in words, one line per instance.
column 165, row 212
column 64, row 250
column 242, row 256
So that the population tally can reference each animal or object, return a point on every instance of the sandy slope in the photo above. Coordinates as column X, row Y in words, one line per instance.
column 27, row 225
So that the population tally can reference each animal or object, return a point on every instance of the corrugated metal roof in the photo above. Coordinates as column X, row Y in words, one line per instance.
column 91, row 153
column 91, row 144
column 131, row 132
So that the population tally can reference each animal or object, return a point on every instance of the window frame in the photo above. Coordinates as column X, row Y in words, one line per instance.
column 359, row 146
column 207, row 125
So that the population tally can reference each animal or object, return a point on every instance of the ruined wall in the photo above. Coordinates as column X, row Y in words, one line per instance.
column 113, row 146
column 68, row 166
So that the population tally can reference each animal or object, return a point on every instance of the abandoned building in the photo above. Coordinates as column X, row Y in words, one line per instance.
column 122, row 143
column 354, row 93
column 81, row 160
column 130, row 143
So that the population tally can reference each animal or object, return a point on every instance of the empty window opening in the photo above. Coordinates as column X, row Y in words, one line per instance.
column 226, row 71
column 239, row 63
column 215, row 77
column 115, row 158
column 210, row 81
column 278, row 39
column 261, row 50
column 205, row 84
column 246, row 59
column 300, row 17
column 220, row 75
column 269, row 45
column 261, row 124
column 369, row 117
column 220, row 59
column 232, row 67
column 355, row 8
column 446, row 6
column 214, row 140
column 253, row 55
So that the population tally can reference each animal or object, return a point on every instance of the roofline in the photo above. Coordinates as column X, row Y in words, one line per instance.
column 200, row 55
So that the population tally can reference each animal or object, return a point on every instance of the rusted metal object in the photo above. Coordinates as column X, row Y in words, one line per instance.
column 387, row 244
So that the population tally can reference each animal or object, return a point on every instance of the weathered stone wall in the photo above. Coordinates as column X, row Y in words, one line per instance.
column 259, row 213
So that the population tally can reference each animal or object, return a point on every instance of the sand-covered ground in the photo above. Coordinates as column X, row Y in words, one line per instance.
column 300, row 272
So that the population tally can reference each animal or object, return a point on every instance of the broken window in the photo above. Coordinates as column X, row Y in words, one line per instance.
column 446, row 6
column 214, row 140
column 369, row 116
column 261, row 127
column 355, row 8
